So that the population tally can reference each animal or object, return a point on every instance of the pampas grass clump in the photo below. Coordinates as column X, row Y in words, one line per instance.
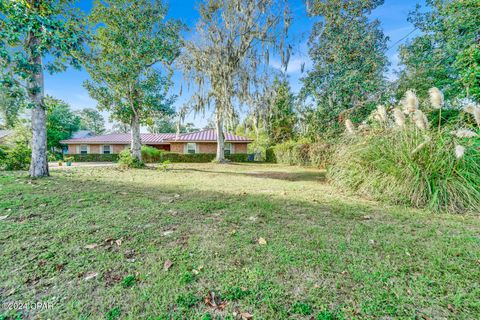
column 410, row 102
column 411, row 164
column 436, row 98
column 408, row 169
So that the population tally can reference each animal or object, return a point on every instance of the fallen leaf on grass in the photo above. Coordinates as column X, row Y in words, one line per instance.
column 197, row 271
column 90, row 275
column 91, row 246
column 451, row 308
column 262, row 241
column 167, row 265
column 246, row 316
column 4, row 217
column 118, row 242
column 215, row 302
column 367, row 217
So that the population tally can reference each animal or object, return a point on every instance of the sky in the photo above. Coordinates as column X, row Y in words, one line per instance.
column 392, row 15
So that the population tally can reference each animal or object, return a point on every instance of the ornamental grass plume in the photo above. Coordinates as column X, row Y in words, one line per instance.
column 399, row 118
column 420, row 120
column 349, row 126
column 421, row 145
column 410, row 102
column 459, row 151
column 473, row 109
column 436, row 98
column 380, row 114
column 464, row 133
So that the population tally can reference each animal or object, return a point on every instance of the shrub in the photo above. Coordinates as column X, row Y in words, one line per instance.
column 270, row 155
column 160, row 156
column 151, row 154
column 301, row 153
column 17, row 158
column 92, row 157
column 3, row 153
column 411, row 165
column 126, row 160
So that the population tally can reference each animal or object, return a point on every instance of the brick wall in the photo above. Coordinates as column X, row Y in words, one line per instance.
column 97, row 148
column 206, row 147
column 240, row 147
column 178, row 147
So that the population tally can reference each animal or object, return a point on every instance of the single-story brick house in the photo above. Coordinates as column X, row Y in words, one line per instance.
column 196, row 142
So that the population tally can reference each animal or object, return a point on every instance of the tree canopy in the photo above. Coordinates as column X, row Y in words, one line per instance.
column 348, row 54
column 31, row 30
column 132, row 42
column 233, row 43
column 92, row 120
column 62, row 122
column 446, row 53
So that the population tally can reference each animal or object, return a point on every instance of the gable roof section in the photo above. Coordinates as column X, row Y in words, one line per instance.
column 156, row 138
column 82, row 134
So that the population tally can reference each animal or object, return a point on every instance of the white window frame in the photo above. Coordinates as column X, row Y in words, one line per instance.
column 230, row 148
column 87, row 149
column 190, row 144
column 109, row 147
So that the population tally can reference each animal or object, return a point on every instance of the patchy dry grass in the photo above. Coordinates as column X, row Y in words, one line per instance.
column 93, row 242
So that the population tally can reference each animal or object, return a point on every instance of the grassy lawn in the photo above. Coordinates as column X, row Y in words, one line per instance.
column 96, row 243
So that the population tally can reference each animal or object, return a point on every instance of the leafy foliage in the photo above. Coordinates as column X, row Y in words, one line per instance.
column 126, row 160
column 411, row 164
column 348, row 54
column 92, row 120
column 10, row 107
column 281, row 120
column 229, row 53
column 31, row 30
column 16, row 157
column 446, row 54
column 61, row 121
column 132, row 40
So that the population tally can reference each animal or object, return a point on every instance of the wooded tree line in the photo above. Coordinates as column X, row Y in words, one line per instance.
column 130, row 50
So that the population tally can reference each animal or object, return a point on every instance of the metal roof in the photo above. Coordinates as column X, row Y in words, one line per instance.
column 157, row 138
column 207, row 135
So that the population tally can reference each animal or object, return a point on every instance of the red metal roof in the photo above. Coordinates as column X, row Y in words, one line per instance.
column 156, row 138
column 121, row 138
column 207, row 135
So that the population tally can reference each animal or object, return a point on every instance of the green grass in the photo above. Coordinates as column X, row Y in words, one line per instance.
column 328, row 256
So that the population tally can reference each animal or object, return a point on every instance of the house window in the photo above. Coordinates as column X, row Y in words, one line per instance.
column 228, row 148
column 107, row 149
column 83, row 149
column 191, row 148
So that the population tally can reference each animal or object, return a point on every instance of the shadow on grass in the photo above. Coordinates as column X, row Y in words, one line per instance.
column 277, row 175
column 323, row 255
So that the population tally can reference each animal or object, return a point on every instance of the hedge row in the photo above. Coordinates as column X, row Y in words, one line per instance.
column 299, row 153
column 163, row 156
column 91, row 157
column 197, row 157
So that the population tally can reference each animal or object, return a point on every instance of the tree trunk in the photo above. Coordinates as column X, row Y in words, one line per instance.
column 220, row 138
column 136, row 146
column 39, row 163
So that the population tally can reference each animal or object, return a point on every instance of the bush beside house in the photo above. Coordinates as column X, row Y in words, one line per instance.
column 301, row 153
